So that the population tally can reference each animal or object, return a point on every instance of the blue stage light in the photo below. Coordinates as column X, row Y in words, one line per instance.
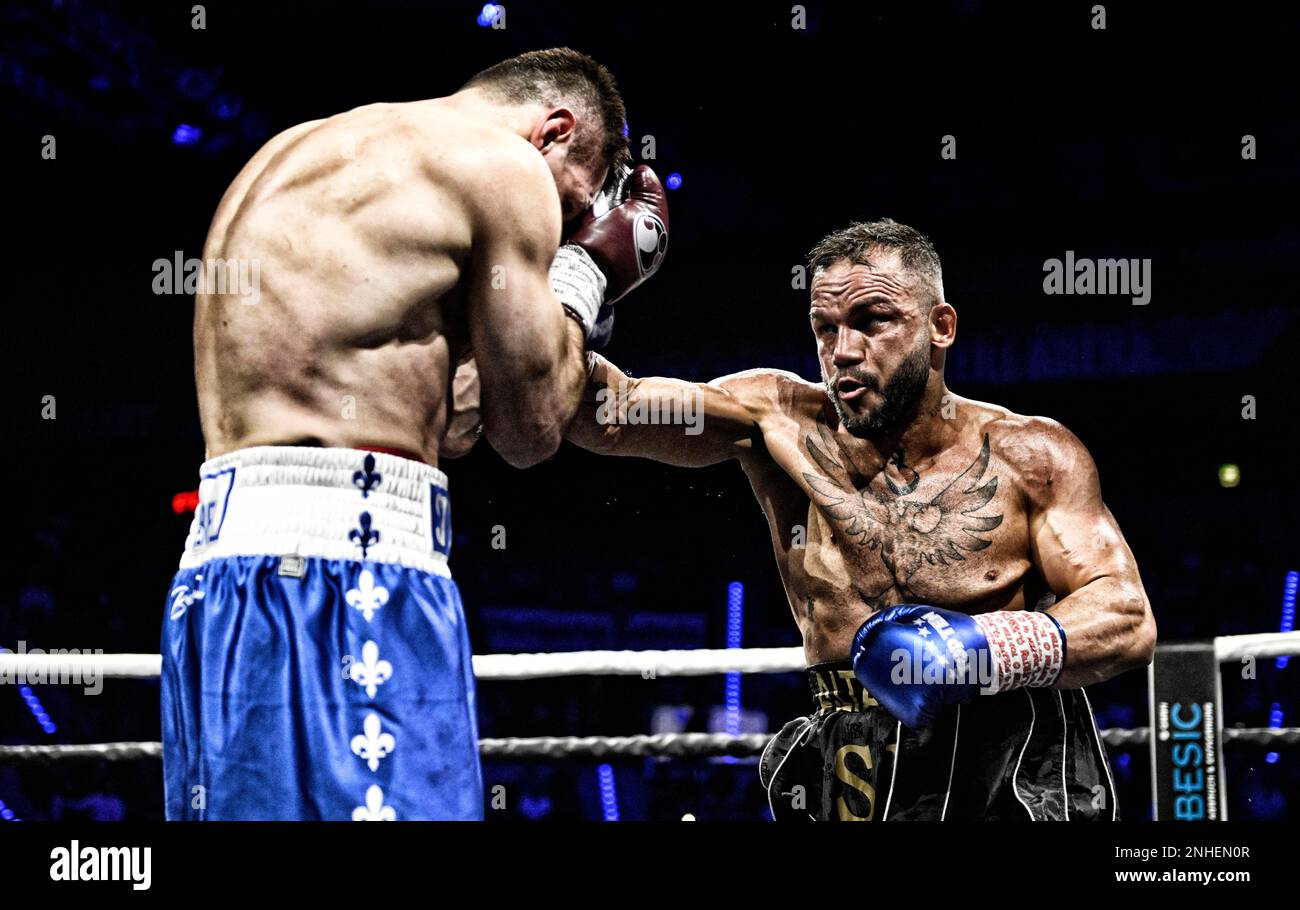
column 608, row 795
column 1286, row 625
column 226, row 106
column 185, row 134
column 535, row 807
column 100, row 83
column 1274, row 720
column 1288, row 609
column 735, row 628
column 489, row 14
column 34, row 704
column 674, row 181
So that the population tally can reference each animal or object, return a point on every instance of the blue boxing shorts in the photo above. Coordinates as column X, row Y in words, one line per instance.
column 315, row 662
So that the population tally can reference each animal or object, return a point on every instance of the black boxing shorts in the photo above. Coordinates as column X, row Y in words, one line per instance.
column 1029, row 754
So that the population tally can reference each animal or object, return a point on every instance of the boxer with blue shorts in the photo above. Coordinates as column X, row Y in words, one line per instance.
column 411, row 293
column 315, row 659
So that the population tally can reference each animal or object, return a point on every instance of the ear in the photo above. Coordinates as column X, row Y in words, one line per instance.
column 943, row 324
column 555, row 127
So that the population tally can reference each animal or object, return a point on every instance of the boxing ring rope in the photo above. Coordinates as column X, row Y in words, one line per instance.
column 647, row 664
column 600, row 748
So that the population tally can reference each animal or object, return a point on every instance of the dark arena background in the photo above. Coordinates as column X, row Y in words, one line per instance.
column 1170, row 135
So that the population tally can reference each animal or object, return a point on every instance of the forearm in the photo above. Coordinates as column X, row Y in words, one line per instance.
column 465, row 425
column 1108, row 629
column 590, row 429
column 680, row 423
column 525, row 421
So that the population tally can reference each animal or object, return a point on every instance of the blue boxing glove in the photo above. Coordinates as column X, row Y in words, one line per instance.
column 916, row 660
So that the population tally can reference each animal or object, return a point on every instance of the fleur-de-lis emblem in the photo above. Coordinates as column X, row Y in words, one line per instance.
column 183, row 598
column 364, row 536
column 371, row 672
column 367, row 596
column 374, row 810
column 372, row 745
column 367, row 478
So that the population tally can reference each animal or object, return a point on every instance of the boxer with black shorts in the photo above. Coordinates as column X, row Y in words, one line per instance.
column 951, row 565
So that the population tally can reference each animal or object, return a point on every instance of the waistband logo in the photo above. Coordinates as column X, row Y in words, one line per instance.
column 364, row 536
column 367, row 478
column 440, row 509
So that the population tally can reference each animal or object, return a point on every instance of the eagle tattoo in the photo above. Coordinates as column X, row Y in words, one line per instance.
column 908, row 533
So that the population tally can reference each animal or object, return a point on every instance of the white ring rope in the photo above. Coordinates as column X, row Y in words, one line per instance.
column 1229, row 648
column 647, row 664
column 56, row 667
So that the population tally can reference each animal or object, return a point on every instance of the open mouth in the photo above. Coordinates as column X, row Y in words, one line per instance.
column 849, row 389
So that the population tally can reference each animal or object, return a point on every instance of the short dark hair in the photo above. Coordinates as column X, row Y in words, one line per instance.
column 855, row 242
column 562, row 75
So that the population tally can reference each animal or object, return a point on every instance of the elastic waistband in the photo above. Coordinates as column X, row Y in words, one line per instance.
column 317, row 502
column 835, row 687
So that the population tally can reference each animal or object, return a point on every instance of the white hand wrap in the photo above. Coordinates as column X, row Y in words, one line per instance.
column 1028, row 648
column 579, row 284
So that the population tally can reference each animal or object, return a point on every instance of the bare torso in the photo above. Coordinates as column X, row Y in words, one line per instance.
column 359, row 235
column 851, row 538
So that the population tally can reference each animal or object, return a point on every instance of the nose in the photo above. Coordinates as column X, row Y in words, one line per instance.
column 849, row 348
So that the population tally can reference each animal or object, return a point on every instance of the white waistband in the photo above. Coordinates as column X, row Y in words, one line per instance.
column 328, row 503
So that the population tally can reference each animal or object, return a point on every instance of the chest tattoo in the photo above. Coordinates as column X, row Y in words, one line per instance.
column 907, row 533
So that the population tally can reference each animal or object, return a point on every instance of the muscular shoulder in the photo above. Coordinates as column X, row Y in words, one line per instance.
column 1045, row 456
column 504, row 182
column 491, row 161
column 772, row 392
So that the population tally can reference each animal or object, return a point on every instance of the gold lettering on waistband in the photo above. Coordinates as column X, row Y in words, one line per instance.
column 823, row 694
column 839, row 690
column 850, row 683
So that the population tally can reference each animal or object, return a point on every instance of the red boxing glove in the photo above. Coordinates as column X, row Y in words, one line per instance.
column 626, row 231
column 620, row 243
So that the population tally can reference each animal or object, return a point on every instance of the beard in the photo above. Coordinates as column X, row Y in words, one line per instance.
column 902, row 396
